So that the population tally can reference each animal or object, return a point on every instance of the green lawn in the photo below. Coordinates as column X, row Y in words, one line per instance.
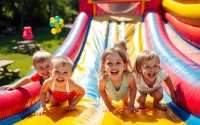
column 22, row 59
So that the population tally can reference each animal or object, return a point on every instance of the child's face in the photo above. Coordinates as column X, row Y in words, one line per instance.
column 150, row 69
column 114, row 66
column 43, row 69
column 61, row 73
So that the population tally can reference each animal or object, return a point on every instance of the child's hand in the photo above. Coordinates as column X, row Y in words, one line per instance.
column 108, row 108
column 131, row 108
column 7, row 87
column 71, row 108
column 42, row 110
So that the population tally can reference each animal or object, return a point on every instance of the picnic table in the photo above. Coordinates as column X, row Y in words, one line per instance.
column 26, row 45
column 3, row 68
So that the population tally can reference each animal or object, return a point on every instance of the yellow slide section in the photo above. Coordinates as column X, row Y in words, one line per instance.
column 103, row 33
column 184, row 8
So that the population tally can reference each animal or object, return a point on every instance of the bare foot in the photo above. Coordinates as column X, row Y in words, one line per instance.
column 160, row 106
column 139, row 106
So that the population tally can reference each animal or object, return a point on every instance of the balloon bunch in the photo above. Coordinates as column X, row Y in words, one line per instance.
column 56, row 23
column 27, row 34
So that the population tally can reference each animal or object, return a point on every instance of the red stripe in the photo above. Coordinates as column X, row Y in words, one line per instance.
column 188, row 32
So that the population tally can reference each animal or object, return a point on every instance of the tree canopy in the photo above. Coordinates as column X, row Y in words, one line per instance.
column 36, row 13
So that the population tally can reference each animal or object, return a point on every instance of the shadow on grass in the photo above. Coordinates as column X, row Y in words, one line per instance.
column 7, row 79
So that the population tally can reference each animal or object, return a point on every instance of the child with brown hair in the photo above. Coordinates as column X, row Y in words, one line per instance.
column 41, row 61
column 116, row 82
column 122, row 45
column 61, row 86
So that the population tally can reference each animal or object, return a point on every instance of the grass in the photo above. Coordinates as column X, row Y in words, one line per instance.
column 22, row 59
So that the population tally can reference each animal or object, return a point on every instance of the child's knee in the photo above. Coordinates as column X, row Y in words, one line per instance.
column 157, row 96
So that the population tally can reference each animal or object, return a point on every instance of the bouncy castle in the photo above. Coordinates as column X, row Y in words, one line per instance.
column 169, row 27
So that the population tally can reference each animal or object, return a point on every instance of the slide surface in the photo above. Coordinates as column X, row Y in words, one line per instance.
column 91, row 35
column 102, row 33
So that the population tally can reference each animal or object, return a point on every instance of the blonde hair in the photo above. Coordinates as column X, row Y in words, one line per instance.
column 145, row 55
column 108, row 52
column 63, row 59
column 41, row 56
column 120, row 44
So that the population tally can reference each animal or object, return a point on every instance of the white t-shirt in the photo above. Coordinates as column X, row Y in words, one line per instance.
column 143, row 87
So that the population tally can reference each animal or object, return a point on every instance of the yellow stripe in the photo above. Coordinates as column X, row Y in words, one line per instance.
column 183, row 8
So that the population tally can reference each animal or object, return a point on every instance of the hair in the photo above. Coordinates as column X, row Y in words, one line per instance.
column 120, row 44
column 109, row 51
column 145, row 55
column 63, row 59
column 41, row 56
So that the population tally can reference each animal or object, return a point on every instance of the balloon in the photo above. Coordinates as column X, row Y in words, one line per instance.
column 62, row 26
column 56, row 25
column 52, row 24
column 61, row 21
column 25, row 32
column 52, row 19
column 57, row 18
column 53, row 31
column 25, row 36
column 29, row 29
column 30, row 37
column 58, row 30
column 25, row 28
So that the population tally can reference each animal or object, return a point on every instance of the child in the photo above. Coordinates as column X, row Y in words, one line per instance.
column 41, row 61
column 61, row 86
column 116, row 83
column 122, row 45
column 149, row 77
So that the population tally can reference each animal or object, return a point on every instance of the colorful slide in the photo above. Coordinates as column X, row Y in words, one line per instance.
column 99, row 24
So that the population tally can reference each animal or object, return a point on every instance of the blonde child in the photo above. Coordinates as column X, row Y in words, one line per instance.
column 122, row 45
column 41, row 61
column 61, row 86
column 149, row 77
column 116, row 83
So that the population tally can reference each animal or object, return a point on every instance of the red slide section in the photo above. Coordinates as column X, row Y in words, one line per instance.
column 188, row 32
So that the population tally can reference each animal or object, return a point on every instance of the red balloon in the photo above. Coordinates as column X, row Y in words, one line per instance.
column 25, row 36
column 24, row 32
column 25, row 28
column 31, row 37
column 29, row 29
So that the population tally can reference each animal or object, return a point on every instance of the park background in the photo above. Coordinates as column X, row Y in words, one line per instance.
column 15, row 15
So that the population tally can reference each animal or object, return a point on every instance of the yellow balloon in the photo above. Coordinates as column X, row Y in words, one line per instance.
column 61, row 21
column 58, row 30
column 62, row 26
column 56, row 25
column 53, row 31
column 52, row 19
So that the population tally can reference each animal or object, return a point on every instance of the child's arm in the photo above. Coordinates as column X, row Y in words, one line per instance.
column 20, row 83
column 168, row 82
column 81, row 92
column 102, row 86
column 133, row 90
column 43, row 93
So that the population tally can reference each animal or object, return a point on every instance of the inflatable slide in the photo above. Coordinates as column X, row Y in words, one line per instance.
column 141, row 24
